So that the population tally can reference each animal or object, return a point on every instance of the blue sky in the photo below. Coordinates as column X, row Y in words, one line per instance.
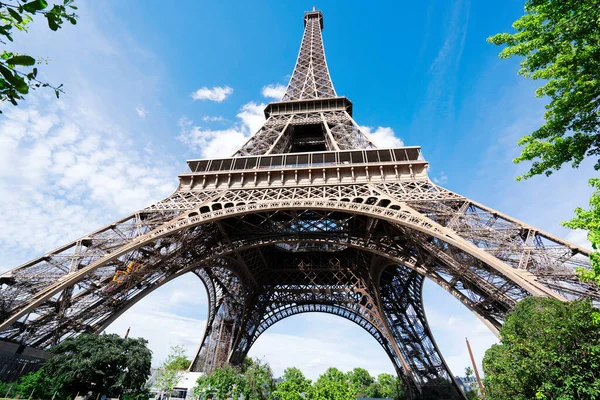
column 417, row 72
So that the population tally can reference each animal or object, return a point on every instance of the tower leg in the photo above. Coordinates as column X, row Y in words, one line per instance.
column 400, row 295
column 223, row 320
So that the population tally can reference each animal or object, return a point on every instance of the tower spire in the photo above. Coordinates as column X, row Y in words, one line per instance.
column 310, row 79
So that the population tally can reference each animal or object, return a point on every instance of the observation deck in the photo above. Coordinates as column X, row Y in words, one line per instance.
column 311, row 168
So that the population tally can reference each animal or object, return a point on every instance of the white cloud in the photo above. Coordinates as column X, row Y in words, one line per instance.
column 441, row 179
column 274, row 91
column 223, row 142
column 382, row 136
column 66, row 173
column 217, row 93
column 208, row 118
column 141, row 111
column 252, row 116
column 579, row 237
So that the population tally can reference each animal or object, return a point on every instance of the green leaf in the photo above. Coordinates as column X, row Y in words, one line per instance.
column 35, row 5
column 5, row 31
column 19, row 83
column 52, row 23
column 15, row 15
column 21, row 60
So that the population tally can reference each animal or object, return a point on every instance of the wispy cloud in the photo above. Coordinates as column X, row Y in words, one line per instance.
column 275, row 91
column 441, row 179
column 443, row 69
column 208, row 118
column 450, row 53
column 579, row 237
column 141, row 111
column 217, row 93
column 72, row 165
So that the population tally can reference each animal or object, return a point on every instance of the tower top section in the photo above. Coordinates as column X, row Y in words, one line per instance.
column 310, row 79
column 314, row 14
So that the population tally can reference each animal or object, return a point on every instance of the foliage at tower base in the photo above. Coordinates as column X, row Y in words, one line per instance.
column 102, row 364
column 382, row 386
column 473, row 392
column 254, row 380
column 294, row 386
column 171, row 371
column 549, row 350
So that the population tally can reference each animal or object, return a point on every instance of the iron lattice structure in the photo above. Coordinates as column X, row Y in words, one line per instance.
column 308, row 216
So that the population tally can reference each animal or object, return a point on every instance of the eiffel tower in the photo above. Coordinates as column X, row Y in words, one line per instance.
column 307, row 216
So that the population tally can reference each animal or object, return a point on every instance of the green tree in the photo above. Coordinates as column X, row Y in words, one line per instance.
column 293, row 387
column 177, row 359
column 171, row 371
column 361, row 381
column 247, row 363
column 589, row 220
column 4, row 388
column 143, row 395
column 38, row 385
column 222, row 383
column 374, row 390
column 333, row 385
column 472, row 393
column 390, row 386
column 105, row 364
column 259, row 382
column 549, row 350
column 17, row 72
column 560, row 43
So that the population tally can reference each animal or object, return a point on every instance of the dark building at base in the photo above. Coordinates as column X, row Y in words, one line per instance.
column 17, row 360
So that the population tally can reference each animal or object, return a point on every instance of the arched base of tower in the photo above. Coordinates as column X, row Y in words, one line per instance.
column 390, row 311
